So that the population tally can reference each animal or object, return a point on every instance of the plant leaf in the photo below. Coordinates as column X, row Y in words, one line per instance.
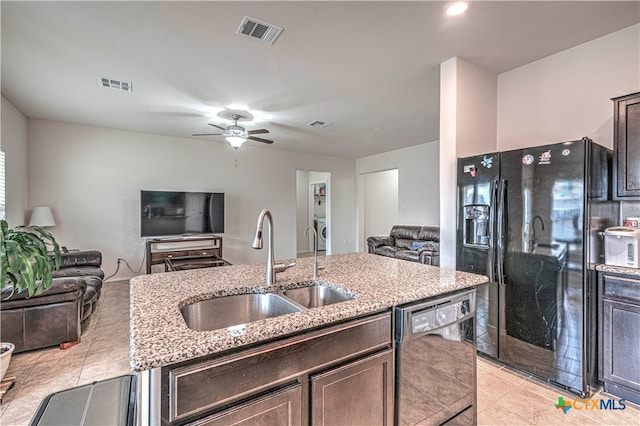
column 25, row 261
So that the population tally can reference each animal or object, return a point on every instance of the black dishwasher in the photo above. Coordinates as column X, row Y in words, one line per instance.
column 436, row 361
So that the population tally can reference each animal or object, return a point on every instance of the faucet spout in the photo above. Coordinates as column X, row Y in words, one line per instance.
column 257, row 243
column 315, row 251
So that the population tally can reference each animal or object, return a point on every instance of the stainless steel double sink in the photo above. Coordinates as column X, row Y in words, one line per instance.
column 235, row 310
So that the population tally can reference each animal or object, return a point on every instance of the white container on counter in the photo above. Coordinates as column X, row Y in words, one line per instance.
column 622, row 246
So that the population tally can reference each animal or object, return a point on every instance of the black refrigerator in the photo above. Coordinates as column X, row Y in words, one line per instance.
column 532, row 220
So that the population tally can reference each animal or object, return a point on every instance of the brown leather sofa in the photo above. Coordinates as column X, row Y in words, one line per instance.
column 409, row 242
column 59, row 315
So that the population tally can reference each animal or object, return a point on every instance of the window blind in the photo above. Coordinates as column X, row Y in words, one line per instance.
column 2, row 185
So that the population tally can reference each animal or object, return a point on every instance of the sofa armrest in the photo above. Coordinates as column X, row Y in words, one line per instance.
column 81, row 258
column 429, row 253
column 61, row 289
column 375, row 242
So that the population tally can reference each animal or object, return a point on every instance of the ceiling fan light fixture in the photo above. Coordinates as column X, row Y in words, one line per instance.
column 235, row 141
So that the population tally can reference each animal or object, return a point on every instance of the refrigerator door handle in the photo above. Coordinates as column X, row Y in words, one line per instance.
column 491, row 255
column 502, row 216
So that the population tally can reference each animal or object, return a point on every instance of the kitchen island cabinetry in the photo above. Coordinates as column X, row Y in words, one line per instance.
column 619, row 296
column 337, row 397
column 626, row 141
column 318, row 374
column 332, row 363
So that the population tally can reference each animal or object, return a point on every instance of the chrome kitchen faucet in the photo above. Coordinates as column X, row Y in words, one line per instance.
column 315, row 251
column 272, row 267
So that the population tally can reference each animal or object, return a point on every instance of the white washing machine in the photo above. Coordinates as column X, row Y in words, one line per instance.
column 321, row 228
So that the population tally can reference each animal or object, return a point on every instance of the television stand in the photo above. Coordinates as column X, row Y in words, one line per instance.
column 159, row 250
column 193, row 262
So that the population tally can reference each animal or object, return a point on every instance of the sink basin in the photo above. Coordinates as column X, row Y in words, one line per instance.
column 316, row 295
column 229, row 311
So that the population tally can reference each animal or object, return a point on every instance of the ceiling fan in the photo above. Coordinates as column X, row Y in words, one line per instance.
column 234, row 134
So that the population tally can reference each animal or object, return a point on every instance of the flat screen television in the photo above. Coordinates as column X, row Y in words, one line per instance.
column 179, row 213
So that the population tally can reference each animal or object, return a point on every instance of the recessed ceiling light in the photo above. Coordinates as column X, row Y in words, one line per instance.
column 456, row 7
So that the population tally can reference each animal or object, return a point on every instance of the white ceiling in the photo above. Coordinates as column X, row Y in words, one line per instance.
column 370, row 68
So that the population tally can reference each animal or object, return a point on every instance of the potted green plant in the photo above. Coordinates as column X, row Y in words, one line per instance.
column 25, row 260
column 25, row 263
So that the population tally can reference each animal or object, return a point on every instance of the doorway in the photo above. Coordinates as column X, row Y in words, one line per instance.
column 313, row 209
column 380, row 203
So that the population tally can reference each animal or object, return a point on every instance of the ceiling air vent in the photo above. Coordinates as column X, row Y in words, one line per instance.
column 259, row 30
column 319, row 124
column 110, row 83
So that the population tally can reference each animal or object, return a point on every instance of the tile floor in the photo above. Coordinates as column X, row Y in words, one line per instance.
column 102, row 353
column 504, row 396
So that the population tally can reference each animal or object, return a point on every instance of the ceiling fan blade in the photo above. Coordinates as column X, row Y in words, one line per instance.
column 207, row 134
column 215, row 125
column 253, row 138
column 258, row 131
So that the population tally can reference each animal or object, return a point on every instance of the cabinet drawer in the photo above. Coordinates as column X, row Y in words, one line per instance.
column 278, row 408
column 167, row 254
column 204, row 252
column 626, row 288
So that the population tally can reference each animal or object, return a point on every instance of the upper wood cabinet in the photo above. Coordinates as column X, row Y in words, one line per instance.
column 626, row 144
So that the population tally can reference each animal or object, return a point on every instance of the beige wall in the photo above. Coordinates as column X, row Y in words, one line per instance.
column 92, row 178
column 418, row 187
column 380, row 203
column 467, row 127
column 302, row 210
column 567, row 95
column 14, row 142
column 476, row 110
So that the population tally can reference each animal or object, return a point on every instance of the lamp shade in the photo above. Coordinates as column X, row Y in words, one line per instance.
column 42, row 216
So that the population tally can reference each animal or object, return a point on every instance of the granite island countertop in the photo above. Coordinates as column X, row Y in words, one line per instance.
column 160, row 337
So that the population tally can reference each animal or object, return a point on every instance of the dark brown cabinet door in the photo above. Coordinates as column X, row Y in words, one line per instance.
column 359, row 393
column 621, row 343
column 620, row 335
column 626, row 140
